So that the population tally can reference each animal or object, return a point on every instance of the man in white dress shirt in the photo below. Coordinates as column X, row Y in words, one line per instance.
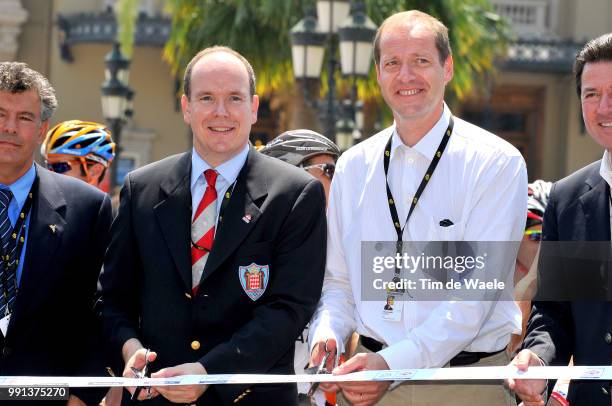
column 477, row 193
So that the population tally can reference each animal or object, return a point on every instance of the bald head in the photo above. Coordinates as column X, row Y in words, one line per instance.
column 212, row 50
column 419, row 21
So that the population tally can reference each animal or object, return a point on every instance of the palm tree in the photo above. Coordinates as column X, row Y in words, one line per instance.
column 259, row 29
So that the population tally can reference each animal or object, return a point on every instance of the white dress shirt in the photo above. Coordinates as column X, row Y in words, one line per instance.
column 227, row 174
column 480, row 184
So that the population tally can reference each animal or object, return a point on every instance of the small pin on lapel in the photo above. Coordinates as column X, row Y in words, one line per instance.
column 53, row 227
column 247, row 218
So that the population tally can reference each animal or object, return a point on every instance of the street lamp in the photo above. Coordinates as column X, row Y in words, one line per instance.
column 334, row 26
column 344, row 133
column 356, row 34
column 307, row 47
column 332, row 13
column 116, row 101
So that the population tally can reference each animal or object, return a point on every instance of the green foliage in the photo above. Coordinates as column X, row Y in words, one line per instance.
column 259, row 29
column 477, row 35
column 127, row 13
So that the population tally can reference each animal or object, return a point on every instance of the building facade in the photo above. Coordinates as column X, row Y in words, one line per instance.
column 531, row 100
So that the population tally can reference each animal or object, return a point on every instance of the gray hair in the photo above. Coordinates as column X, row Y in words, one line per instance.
column 18, row 77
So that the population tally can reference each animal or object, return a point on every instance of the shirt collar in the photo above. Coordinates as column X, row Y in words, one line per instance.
column 21, row 187
column 428, row 145
column 228, row 170
column 605, row 169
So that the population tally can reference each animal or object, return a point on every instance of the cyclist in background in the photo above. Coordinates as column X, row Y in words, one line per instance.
column 306, row 149
column 317, row 155
column 81, row 149
column 525, row 276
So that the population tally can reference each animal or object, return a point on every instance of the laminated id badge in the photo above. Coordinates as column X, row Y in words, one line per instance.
column 392, row 309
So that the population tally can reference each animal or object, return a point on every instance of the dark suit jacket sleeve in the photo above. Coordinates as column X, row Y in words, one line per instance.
column 297, row 268
column 93, row 363
column 119, row 290
column 550, row 328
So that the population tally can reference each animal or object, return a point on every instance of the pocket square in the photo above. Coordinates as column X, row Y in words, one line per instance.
column 446, row 223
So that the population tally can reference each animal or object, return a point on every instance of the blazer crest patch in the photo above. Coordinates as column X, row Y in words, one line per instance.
column 254, row 279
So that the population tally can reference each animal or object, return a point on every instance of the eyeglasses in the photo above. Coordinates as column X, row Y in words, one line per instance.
column 65, row 166
column 58, row 167
column 534, row 235
column 327, row 169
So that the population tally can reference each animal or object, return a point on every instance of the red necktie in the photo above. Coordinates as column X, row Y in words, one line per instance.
column 203, row 229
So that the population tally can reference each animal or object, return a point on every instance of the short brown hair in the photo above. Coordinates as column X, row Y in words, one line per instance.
column 596, row 50
column 210, row 50
column 17, row 77
column 417, row 17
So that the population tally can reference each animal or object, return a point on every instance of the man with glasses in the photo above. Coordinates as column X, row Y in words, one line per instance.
column 317, row 155
column 53, row 234
column 309, row 150
column 81, row 149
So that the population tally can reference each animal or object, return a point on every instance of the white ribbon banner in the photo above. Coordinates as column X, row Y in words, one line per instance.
column 434, row 374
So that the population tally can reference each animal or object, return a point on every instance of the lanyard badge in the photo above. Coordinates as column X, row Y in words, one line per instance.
column 392, row 310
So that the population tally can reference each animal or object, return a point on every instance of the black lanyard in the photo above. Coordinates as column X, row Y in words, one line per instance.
column 432, row 167
column 225, row 202
column 18, row 240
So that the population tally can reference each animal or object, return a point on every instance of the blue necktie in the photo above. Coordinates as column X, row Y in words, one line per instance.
column 7, row 293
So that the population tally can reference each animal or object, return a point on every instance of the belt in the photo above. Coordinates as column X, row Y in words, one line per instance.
column 468, row 358
column 371, row 344
column 463, row 358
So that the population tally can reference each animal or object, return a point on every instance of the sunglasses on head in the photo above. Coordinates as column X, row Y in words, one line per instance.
column 328, row 169
column 534, row 235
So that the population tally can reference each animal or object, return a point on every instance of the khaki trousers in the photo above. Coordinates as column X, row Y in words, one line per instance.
column 454, row 393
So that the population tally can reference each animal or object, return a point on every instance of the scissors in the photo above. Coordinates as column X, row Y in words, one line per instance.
column 321, row 369
column 141, row 373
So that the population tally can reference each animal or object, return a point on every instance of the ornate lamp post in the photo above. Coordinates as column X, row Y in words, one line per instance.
column 311, row 37
column 116, row 101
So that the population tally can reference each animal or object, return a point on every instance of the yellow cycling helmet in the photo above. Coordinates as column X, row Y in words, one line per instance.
column 85, row 139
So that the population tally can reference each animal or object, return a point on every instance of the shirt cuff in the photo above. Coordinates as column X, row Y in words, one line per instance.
column 400, row 355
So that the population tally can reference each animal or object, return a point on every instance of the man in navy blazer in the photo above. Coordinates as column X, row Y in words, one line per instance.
column 263, row 272
column 578, row 210
column 53, row 234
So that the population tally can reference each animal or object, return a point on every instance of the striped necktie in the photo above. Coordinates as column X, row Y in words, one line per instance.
column 7, row 279
column 203, row 229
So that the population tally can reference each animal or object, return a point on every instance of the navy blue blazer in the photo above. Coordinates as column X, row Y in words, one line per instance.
column 53, row 329
column 578, row 210
column 274, row 220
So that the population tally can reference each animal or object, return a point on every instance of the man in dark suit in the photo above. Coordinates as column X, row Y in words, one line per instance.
column 235, row 297
column 53, row 233
column 578, row 210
